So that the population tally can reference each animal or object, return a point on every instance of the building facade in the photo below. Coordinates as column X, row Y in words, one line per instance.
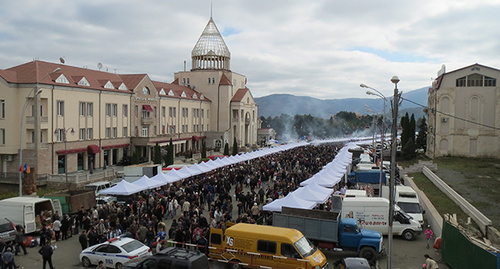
column 233, row 112
column 63, row 119
column 464, row 113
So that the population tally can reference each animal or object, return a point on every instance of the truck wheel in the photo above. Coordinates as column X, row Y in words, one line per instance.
column 234, row 264
column 368, row 253
column 408, row 235
column 86, row 262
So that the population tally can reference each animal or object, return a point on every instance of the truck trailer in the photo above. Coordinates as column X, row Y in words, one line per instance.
column 327, row 230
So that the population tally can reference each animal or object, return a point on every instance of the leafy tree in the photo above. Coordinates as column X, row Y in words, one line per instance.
column 412, row 126
column 169, row 160
column 405, row 121
column 157, row 154
column 203, row 150
column 408, row 151
column 226, row 149
column 235, row 147
column 135, row 157
column 421, row 142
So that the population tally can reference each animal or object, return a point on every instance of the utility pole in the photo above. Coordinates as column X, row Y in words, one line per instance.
column 392, row 181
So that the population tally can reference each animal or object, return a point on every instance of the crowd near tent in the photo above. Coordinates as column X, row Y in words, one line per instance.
column 313, row 191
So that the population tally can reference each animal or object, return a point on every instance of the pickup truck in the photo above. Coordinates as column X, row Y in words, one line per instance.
column 327, row 230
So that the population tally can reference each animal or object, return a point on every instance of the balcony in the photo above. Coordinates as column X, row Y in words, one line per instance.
column 147, row 120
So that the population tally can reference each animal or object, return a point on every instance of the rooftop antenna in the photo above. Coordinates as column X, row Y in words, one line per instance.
column 61, row 59
column 211, row 9
column 99, row 65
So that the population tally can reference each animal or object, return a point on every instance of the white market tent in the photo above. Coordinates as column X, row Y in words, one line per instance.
column 122, row 188
column 290, row 200
column 314, row 191
column 309, row 194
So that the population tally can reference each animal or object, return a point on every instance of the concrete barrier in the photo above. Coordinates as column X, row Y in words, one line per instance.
column 431, row 216
column 481, row 220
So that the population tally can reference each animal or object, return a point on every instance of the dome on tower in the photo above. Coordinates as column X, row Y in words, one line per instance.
column 210, row 52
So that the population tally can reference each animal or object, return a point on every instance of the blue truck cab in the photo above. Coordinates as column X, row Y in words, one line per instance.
column 366, row 242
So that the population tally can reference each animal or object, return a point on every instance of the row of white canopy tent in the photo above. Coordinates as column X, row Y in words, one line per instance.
column 317, row 189
column 145, row 183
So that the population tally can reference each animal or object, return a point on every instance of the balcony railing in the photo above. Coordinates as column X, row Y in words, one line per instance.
column 147, row 120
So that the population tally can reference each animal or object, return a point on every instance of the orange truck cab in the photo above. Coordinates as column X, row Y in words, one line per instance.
column 261, row 245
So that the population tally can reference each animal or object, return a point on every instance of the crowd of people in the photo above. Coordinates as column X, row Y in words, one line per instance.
column 204, row 201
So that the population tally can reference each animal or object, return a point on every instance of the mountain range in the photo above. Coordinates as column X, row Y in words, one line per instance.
column 277, row 104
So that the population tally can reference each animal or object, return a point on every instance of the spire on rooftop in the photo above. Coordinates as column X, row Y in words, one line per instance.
column 210, row 52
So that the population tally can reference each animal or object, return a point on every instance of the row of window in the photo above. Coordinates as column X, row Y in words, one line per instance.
column 476, row 80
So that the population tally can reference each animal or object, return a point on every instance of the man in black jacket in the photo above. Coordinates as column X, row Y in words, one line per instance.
column 46, row 252
column 83, row 240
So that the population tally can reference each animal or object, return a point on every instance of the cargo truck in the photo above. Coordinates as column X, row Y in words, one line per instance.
column 327, row 230
column 373, row 213
column 72, row 201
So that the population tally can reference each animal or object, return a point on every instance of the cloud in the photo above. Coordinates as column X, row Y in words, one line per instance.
column 323, row 49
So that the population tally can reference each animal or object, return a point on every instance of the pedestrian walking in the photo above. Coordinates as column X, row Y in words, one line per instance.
column 46, row 252
column 83, row 239
column 428, row 234
column 19, row 241
column 430, row 263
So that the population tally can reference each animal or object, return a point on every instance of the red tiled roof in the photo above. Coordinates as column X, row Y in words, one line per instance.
column 33, row 72
column 238, row 96
column 224, row 80
column 177, row 90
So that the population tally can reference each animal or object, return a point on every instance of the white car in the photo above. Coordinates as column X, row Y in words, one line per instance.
column 114, row 252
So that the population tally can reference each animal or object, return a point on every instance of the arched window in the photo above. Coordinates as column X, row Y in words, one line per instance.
column 146, row 91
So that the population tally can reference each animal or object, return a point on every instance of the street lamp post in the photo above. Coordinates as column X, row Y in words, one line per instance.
column 37, row 92
column 392, row 181
column 64, row 133
column 382, row 133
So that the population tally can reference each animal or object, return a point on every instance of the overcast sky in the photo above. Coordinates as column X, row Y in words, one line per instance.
column 323, row 49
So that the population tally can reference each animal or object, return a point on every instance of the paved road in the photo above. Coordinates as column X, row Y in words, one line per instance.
column 407, row 254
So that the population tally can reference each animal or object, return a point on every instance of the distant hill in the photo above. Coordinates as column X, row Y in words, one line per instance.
column 277, row 104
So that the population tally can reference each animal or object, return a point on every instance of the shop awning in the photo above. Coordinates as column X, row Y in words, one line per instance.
column 93, row 149
column 195, row 138
column 147, row 108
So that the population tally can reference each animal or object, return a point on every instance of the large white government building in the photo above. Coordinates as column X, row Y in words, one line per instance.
column 74, row 119
column 464, row 113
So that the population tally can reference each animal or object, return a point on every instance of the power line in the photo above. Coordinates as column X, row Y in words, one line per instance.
column 450, row 115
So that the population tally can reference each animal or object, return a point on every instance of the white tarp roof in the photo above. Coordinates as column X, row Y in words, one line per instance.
column 290, row 200
column 309, row 194
column 122, row 188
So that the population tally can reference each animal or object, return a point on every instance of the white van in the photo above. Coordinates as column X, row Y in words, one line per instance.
column 27, row 211
column 407, row 199
column 98, row 186
column 373, row 213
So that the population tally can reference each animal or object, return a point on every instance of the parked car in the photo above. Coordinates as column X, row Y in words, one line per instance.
column 7, row 230
column 171, row 257
column 352, row 263
column 114, row 252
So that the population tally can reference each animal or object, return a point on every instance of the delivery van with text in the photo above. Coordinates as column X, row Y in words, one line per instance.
column 261, row 245
column 373, row 213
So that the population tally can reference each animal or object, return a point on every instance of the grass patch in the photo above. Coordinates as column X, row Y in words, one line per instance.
column 441, row 202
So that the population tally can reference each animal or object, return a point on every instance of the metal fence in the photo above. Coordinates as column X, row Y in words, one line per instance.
column 459, row 251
